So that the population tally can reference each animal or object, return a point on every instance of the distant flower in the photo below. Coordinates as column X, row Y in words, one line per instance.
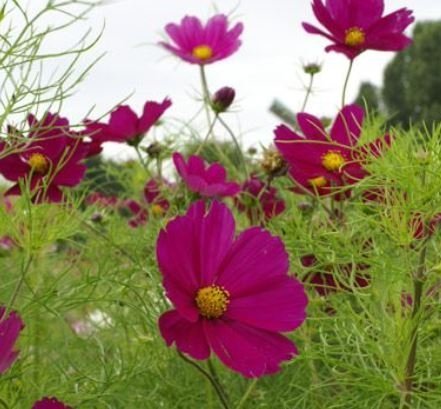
column 198, row 44
column 50, row 158
column 125, row 125
column 50, row 403
column 158, row 204
column 321, row 162
column 421, row 229
column 259, row 201
column 10, row 328
column 222, row 99
column 139, row 214
column 208, row 181
column 100, row 200
column 6, row 244
column 232, row 295
column 326, row 280
column 355, row 26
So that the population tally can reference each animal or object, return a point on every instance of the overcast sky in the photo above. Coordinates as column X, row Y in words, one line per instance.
column 267, row 66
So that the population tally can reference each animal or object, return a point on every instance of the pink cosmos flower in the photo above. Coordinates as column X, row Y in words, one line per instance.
column 231, row 295
column 355, row 26
column 208, row 181
column 138, row 211
column 420, row 229
column 50, row 403
column 100, row 200
column 50, row 159
column 198, row 44
column 323, row 163
column 158, row 204
column 124, row 125
column 259, row 201
column 10, row 328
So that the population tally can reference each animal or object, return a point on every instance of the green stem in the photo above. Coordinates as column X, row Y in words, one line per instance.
column 207, row 136
column 308, row 92
column 345, row 86
column 213, row 382
column 205, row 94
column 247, row 394
column 19, row 285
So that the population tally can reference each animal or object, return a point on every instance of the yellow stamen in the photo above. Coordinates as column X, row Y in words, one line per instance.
column 333, row 161
column 157, row 210
column 318, row 182
column 212, row 301
column 354, row 37
column 39, row 163
column 203, row 52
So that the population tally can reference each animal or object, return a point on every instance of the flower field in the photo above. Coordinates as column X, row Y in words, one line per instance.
column 202, row 273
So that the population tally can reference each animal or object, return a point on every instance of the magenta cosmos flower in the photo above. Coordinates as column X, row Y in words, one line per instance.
column 208, row 181
column 259, row 201
column 231, row 295
column 321, row 162
column 198, row 44
column 124, row 125
column 50, row 403
column 10, row 328
column 51, row 158
column 153, row 195
column 357, row 25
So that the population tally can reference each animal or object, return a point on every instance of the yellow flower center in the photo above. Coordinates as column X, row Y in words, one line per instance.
column 157, row 210
column 39, row 163
column 355, row 37
column 319, row 181
column 212, row 301
column 333, row 161
column 202, row 52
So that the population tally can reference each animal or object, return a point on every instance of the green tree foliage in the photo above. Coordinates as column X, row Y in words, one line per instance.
column 412, row 80
column 369, row 96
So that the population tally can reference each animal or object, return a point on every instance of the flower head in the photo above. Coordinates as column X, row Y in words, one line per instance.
column 125, row 125
column 231, row 295
column 198, row 44
column 10, row 328
column 354, row 26
column 50, row 403
column 158, row 204
column 139, row 214
column 222, row 99
column 323, row 163
column 208, row 181
column 259, row 201
column 50, row 158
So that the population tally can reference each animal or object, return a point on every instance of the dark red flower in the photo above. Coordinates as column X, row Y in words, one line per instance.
column 10, row 328
column 138, row 211
column 51, row 158
column 421, row 229
column 158, row 204
column 50, row 403
column 355, row 26
column 259, row 201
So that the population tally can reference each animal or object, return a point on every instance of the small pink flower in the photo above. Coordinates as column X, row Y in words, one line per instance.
column 208, row 181
column 259, row 201
column 354, row 26
column 125, row 125
column 50, row 403
column 51, row 158
column 139, row 213
column 10, row 328
column 101, row 200
column 158, row 204
column 232, row 295
column 198, row 44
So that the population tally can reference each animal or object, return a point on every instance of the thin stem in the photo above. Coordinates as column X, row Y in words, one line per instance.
column 213, row 373
column 308, row 92
column 345, row 86
column 247, row 393
column 205, row 95
column 213, row 382
column 141, row 159
column 19, row 285
column 207, row 136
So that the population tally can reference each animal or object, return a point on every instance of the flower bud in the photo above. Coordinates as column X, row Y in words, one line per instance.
column 312, row 68
column 222, row 99
column 273, row 163
column 154, row 150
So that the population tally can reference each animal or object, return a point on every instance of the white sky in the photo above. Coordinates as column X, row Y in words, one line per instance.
column 268, row 65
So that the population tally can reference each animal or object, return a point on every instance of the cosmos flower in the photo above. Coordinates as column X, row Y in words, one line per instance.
column 198, row 44
column 421, row 229
column 321, row 162
column 49, row 159
column 10, row 328
column 124, row 125
column 50, row 403
column 355, row 26
column 158, row 204
column 208, row 181
column 139, row 214
column 232, row 295
column 259, row 201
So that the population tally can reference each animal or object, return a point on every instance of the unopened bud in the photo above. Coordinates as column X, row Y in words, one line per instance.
column 273, row 163
column 222, row 99
column 312, row 68
column 154, row 149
